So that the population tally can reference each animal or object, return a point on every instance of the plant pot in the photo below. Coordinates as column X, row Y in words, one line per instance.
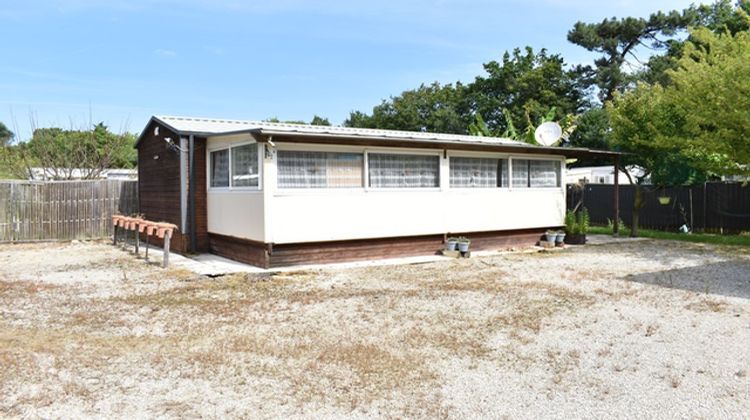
column 451, row 244
column 463, row 246
column 560, row 240
column 551, row 237
column 664, row 200
column 575, row 239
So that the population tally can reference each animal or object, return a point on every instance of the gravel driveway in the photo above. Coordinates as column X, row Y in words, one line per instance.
column 640, row 329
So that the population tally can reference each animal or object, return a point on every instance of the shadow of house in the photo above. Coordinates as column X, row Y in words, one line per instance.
column 727, row 278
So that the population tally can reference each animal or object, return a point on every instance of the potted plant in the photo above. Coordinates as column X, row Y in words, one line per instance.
column 463, row 244
column 576, row 226
column 551, row 237
column 451, row 244
column 560, row 238
column 663, row 198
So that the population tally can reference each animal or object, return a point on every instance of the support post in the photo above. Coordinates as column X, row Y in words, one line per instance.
column 167, row 239
column 114, row 236
column 147, row 235
column 137, row 240
column 616, row 200
column 191, row 193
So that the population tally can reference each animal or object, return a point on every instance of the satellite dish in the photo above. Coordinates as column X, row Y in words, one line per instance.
column 548, row 133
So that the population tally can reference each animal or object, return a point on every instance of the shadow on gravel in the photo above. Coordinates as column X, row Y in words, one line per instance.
column 727, row 278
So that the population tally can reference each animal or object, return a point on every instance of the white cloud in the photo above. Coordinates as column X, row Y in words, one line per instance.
column 165, row 53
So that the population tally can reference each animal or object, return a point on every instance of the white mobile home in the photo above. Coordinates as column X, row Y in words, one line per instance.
column 275, row 194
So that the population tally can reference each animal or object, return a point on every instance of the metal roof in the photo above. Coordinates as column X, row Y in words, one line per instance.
column 215, row 127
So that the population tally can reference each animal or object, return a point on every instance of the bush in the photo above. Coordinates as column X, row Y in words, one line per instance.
column 577, row 223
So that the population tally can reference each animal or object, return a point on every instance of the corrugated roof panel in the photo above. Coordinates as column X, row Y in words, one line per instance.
column 210, row 126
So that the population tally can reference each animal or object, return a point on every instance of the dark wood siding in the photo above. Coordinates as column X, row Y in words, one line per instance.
column 372, row 249
column 242, row 250
column 201, row 199
column 159, row 182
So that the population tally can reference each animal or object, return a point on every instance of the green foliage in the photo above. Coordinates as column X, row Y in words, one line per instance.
column 520, row 90
column 479, row 127
column 60, row 151
column 577, row 223
column 320, row 121
column 524, row 87
column 570, row 222
column 698, row 124
column 6, row 136
column 433, row 108
column 617, row 40
column 735, row 240
column 592, row 130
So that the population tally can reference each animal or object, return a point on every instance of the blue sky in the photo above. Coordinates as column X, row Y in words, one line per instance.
column 65, row 63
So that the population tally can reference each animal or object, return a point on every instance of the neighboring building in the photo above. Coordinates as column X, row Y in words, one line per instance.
column 601, row 174
column 49, row 174
column 274, row 194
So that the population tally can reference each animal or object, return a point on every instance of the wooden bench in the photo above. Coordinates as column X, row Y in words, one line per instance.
column 142, row 226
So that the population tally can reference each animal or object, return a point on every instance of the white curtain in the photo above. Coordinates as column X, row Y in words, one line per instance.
column 245, row 166
column 478, row 172
column 296, row 169
column 220, row 168
column 403, row 171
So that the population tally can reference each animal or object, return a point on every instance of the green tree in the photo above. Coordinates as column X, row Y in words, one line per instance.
column 60, row 152
column 697, row 125
column 320, row 121
column 592, row 131
column 6, row 136
column 618, row 39
column 523, row 88
column 433, row 108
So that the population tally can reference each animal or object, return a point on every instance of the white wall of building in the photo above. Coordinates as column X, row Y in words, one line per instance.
column 289, row 216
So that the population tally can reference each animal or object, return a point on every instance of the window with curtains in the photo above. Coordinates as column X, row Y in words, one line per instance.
column 245, row 165
column 468, row 172
column 403, row 171
column 528, row 173
column 220, row 168
column 297, row 169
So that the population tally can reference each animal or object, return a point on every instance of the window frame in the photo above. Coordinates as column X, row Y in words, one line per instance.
column 292, row 148
column 415, row 152
column 560, row 161
column 228, row 147
column 479, row 155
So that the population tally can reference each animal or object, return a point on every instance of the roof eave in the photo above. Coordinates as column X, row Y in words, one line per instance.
column 262, row 134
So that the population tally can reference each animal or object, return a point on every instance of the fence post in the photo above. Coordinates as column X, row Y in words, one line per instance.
column 616, row 201
column 13, row 213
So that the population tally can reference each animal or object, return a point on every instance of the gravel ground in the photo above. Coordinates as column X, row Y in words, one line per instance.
column 639, row 329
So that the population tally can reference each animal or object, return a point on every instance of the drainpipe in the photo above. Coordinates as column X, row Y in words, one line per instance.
column 191, row 193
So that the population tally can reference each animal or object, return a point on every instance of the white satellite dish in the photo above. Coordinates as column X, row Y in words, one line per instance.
column 548, row 133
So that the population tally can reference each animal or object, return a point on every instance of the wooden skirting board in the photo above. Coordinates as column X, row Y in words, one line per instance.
column 283, row 255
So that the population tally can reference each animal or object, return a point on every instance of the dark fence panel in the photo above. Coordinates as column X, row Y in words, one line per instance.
column 712, row 207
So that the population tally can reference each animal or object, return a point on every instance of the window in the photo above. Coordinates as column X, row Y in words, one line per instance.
column 403, row 171
column 319, row 169
column 478, row 172
column 544, row 173
column 220, row 168
column 245, row 166
column 536, row 173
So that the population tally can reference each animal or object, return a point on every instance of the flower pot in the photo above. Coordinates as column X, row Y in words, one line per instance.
column 560, row 239
column 575, row 239
column 664, row 200
column 463, row 246
column 551, row 237
column 451, row 244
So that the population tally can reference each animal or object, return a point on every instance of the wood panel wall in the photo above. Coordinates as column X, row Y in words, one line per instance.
column 159, row 182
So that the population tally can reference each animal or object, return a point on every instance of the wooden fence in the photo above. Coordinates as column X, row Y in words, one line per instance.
column 66, row 210
column 721, row 207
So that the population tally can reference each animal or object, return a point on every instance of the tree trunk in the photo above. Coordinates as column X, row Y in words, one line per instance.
column 637, row 205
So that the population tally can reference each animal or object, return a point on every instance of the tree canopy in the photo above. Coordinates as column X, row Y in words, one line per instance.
column 697, row 125
column 59, row 152
column 6, row 136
